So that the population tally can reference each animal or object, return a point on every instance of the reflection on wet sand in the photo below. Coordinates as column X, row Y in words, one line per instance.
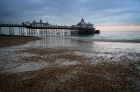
column 59, row 64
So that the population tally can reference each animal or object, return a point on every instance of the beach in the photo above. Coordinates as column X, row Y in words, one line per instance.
column 55, row 64
column 7, row 41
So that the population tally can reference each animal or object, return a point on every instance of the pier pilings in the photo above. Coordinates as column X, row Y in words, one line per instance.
column 21, row 31
column 0, row 31
column 11, row 31
column 45, row 31
column 83, row 31
column 32, row 32
column 97, row 31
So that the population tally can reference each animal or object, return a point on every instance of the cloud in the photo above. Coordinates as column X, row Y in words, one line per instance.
column 68, row 12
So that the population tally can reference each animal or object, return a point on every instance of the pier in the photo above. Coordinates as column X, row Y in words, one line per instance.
column 45, row 29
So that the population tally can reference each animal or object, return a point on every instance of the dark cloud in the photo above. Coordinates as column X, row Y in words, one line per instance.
column 68, row 12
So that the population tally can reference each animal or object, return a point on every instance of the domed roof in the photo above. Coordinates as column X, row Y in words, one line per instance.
column 82, row 22
column 34, row 21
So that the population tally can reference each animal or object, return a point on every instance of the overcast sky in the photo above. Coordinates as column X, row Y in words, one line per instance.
column 69, row 12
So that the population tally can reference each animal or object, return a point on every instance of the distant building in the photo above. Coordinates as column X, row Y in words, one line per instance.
column 82, row 24
column 26, row 23
column 40, row 24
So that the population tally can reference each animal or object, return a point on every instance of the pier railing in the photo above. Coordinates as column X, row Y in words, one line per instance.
column 14, row 25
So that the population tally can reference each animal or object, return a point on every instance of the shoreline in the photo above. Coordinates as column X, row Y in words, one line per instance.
column 8, row 41
column 107, row 40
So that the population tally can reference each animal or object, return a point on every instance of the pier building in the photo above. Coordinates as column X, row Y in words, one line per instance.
column 37, row 24
column 82, row 24
column 81, row 28
column 40, row 24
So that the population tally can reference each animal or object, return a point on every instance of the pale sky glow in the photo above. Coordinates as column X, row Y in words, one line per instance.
column 119, row 28
column 102, row 13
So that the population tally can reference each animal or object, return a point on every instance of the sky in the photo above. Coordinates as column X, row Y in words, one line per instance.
column 106, row 15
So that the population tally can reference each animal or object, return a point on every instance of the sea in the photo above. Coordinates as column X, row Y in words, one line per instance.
column 116, row 35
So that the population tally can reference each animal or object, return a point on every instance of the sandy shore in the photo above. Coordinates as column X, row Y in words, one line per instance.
column 72, row 69
column 7, row 41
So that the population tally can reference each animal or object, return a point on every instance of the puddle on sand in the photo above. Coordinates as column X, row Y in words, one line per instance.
column 27, row 67
column 63, row 62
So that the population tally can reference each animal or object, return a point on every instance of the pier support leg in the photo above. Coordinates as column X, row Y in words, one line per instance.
column 65, row 32
column 21, row 31
column 50, row 31
column 40, row 32
column 27, row 32
column 54, row 31
column 78, row 31
column 46, row 32
column 34, row 32
column 72, row 31
column 11, row 31
column 62, row 31
column 31, row 32
column 0, row 31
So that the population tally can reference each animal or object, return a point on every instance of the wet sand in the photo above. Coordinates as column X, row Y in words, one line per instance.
column 68, row 65
column 108, row 40
column 7, row 41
